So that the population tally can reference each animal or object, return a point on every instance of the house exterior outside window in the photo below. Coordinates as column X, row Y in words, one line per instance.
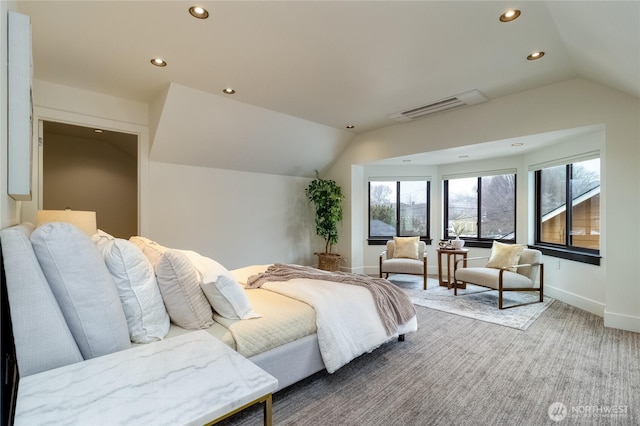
column 569, row 229
column 482, row 208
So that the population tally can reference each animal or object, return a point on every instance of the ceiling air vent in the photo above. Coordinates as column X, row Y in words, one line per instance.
column 471, row 97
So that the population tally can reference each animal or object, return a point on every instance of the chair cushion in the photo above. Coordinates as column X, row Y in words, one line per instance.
column 530, row 256
column 83, row 287
column 406, row 247
column 488, row 277
column 504, row 255
column 42, row 338
column 403, row 266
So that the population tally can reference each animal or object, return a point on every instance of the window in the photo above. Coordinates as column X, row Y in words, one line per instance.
column 482, row 208
column 563, row 226
column 398, row 208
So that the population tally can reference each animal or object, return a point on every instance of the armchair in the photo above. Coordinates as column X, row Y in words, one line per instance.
column 403, row 265
column 503, row 279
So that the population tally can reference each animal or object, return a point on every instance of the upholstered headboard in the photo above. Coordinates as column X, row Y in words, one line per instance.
column 8, row 365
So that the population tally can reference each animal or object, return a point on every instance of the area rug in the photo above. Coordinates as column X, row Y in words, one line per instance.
column 482, row 304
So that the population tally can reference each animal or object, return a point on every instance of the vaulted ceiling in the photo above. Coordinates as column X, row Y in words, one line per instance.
column 304, row 70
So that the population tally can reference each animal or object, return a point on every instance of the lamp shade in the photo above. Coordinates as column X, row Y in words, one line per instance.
column 86, row 221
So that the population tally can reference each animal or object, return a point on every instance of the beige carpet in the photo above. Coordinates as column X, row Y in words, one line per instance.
column 459, row 371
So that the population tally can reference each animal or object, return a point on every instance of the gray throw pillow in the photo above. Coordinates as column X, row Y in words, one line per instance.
column 83, row 288
column 43, row 340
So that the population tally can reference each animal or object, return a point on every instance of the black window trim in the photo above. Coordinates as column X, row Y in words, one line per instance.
column 562, row 251
column 382, row 240
column 480, row 242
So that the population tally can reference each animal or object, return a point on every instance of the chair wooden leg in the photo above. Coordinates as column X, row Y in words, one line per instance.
column 542, row 282
column 500, row 288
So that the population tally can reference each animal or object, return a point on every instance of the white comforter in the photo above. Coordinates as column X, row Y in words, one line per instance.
column 346, row 318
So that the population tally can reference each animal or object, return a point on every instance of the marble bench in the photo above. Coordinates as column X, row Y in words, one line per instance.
column 192, row 379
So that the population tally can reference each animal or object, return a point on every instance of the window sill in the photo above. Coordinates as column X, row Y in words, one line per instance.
column 482, row 243
column 563, row 253
column 383, row 241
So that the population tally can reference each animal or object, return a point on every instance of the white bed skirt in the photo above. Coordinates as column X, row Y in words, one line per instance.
column 292, row 362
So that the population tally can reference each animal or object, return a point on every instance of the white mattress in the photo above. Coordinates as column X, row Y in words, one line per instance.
column 216, row 330
column 283, row 320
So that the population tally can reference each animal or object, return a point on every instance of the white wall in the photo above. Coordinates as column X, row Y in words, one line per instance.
column 614, row 290
column 239, row 218
column 236, row 218
column 9, row 213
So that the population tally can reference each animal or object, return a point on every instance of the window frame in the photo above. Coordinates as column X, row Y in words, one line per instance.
column 382, row 240
column 566, row 250
column 478, row 241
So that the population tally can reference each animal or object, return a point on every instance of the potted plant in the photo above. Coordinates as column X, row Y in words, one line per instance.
column 326, row 195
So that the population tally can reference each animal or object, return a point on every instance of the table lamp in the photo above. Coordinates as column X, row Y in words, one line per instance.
column 84, row 220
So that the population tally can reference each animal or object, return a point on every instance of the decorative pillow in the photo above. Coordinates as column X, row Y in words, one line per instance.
column 83, row 288
column 406, row 247
column 42, row 338
column 151, row 249
column 504, row 255
column 224, row 293
column 179, row 285
column 137, row 286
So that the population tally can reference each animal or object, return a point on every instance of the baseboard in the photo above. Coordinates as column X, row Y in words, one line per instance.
column 573, row 299
column 621, row 321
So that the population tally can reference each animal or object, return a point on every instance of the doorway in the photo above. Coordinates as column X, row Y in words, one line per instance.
column 92, row 169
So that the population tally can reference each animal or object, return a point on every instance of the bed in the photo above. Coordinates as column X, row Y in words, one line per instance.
column 99, row 295
column 302, row 332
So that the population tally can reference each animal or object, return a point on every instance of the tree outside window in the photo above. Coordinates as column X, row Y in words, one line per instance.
column 398, row 208
column 481, row 208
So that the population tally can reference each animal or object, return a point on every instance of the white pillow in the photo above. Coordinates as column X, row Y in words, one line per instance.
column 151, row 249
column 136, row 283
column 179, row 285
column 83, row 288
column 224, row 293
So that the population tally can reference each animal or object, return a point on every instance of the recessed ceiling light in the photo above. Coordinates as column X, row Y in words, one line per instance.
column 97, row 130
column 228, row 91
column 535, row 55
column 517, row 144
column 159, row 62
column 198, row 12
column 463, row 156
column 350, row 126
column 510, row 15
column 406, row 161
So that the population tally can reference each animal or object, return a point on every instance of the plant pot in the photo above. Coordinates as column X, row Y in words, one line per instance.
column 329, row 261
column 457, row 244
